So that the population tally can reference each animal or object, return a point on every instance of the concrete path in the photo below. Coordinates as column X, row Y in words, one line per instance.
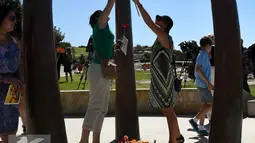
column 151, row 128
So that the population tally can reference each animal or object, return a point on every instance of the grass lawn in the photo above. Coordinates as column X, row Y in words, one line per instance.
column 79, row 50
column 140, row 76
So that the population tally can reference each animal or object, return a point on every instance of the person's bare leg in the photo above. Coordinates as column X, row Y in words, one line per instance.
column 85, row 136
column 201, row 116
column 209, row 114
column 204, row 109
column 4, row 136
column 96, row 137
column 201, row 122
column 173, row 127
column 22, row 112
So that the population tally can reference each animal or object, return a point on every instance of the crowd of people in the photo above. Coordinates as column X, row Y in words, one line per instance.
column 162, row 81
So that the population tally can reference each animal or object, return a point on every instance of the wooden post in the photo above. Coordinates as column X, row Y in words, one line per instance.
column 126, row 112
column 43, row 97
column 226, row 126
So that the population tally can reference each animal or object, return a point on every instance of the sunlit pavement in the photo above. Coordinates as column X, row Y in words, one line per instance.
column 151, row 128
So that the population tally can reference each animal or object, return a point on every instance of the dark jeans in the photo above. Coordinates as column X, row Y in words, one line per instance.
column 245, row 84
column 58, row 70
column 70, row 73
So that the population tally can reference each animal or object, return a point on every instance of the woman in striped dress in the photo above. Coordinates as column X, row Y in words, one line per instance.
column 162, row 79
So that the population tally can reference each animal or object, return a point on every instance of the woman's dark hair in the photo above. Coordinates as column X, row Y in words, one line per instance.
column 167, row 20
column 4, row 11
column 94, row 17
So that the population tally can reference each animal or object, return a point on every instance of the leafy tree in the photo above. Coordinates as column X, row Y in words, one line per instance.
column 73, row 54
column 58, row 35
column 179, row 55
column 82, row 46
column 147, row 55
column 65, row 44
column 16, row 4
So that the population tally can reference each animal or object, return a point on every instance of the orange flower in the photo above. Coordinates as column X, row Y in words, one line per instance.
column 61, row 50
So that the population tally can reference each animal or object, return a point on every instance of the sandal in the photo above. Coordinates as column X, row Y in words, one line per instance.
column 24, row 129
column 180, row 139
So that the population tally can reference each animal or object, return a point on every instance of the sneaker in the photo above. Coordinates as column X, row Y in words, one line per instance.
column 207, row 127
column 201, row 127
column 24, row 128
column 203, row 132
column 193, row 124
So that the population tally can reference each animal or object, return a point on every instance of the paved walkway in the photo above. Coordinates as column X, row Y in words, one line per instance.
column 151, row 128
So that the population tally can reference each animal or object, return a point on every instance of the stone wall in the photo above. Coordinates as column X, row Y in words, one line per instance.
column 75, row 102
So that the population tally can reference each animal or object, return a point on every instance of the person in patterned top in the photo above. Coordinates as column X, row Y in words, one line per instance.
column 9, row 62
column 162, row 79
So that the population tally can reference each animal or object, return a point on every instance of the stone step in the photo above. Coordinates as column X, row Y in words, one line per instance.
column 251, row 108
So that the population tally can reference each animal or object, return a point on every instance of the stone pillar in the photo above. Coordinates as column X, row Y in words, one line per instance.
column 43, row 97
column 226, row 125
column 126, row 112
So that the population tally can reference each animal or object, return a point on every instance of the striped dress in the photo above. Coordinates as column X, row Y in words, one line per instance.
column 162, row 79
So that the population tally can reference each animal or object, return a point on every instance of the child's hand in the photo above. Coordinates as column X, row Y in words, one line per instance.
column 210, row 86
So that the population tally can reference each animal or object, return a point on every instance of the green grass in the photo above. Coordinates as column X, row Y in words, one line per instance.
column 139, row 76
column 252, row 88
column 142, row 75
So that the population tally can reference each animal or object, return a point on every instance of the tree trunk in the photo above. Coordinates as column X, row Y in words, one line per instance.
column 126, row 112
column 226, row 126
column 43, row 97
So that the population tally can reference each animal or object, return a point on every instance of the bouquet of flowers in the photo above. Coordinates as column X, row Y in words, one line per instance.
column 125, row 139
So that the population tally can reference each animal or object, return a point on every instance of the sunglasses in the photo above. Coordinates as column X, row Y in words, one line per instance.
column 159, row 18
column 12, row 18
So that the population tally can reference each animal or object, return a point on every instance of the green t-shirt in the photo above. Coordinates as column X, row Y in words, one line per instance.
column 103, row 40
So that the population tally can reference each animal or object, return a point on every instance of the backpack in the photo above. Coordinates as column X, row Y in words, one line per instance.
column 248, row 66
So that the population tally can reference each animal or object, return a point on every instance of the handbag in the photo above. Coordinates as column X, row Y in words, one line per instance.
column 177, row 80
column 108, row 67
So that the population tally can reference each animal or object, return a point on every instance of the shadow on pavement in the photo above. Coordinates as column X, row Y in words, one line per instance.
column 201, row 139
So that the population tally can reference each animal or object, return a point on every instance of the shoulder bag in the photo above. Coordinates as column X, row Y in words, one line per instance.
column 177, row 80
column 108, row 67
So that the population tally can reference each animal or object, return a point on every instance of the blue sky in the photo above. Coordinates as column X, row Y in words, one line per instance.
column 192, row 19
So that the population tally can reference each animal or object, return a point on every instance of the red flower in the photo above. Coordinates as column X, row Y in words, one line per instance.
column 125, row 26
